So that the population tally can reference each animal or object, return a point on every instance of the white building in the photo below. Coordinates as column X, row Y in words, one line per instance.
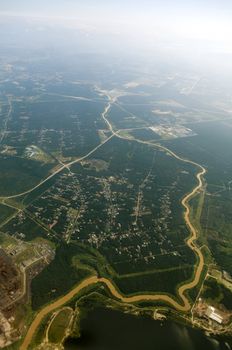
column 214, row 315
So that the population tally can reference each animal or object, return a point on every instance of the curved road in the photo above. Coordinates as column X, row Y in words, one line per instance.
column 185, row 306
column 64, row 166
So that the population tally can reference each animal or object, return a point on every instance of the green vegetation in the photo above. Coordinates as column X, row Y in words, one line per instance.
column 160, row 282
column 25, row 228
column 212, row 209
column 18, row 175
column 45, row 287
column 126, row 120
column 5, row 213
column 59, row 325
column 40, row 334
column 145, row 135
column 6, row 240
column 194, row 292
column 217, row 228
column 116, row 213
column 216, row 293
column 208, row 148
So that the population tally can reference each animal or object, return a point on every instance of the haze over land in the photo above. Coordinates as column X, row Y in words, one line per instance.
column 115, row 167
column 199, row 32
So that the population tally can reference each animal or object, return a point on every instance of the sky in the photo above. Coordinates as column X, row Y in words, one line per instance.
column 194, row 18
column 198, row 22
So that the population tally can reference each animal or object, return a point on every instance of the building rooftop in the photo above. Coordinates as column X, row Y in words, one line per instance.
column 214, row 314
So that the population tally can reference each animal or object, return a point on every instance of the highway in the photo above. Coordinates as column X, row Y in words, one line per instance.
column 185, row 305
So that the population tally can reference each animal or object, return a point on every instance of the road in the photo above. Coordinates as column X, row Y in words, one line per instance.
column 65, row 166
column 185, row 304
column 4, row 128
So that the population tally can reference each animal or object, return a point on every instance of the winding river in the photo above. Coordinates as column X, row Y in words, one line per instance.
column 184, row 306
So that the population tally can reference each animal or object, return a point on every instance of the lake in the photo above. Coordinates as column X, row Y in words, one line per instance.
column 106, row 329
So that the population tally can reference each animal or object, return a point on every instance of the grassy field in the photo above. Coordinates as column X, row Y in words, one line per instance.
column 5, row 213
column 58, row 326
column 216, row 293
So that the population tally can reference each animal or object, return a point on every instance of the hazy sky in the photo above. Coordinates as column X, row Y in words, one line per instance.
column 134, row 5
column 147, row 20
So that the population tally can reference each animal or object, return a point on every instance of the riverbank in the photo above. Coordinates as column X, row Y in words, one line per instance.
column 184, row 307
column 110, row 329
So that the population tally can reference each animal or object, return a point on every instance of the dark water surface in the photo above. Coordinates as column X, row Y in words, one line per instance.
column 105, row 329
